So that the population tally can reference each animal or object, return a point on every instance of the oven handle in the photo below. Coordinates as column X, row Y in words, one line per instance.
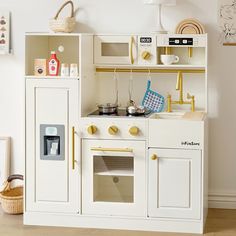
column 100, row 149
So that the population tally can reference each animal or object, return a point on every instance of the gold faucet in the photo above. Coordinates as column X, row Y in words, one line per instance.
column 179, row 87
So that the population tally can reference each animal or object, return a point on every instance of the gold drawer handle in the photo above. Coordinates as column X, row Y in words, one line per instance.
column 100, row 149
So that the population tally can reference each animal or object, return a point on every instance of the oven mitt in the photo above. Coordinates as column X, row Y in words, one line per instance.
column 152, row 100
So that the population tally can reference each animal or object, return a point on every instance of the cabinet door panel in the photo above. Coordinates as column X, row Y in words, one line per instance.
column 51, row 184
column 175, row 183
column 174, row 180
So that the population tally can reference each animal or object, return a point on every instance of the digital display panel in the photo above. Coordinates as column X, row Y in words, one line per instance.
column 145, row 40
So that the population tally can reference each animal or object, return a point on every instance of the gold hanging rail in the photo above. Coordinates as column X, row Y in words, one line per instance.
column 159, row 70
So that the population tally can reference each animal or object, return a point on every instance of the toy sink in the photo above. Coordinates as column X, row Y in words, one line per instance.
column 195, row 116
column 168, row 116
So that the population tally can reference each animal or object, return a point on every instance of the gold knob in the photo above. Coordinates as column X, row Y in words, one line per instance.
column 154, row 157
column 146, row 55
column 134, row 130
column 92, row 129
column 112, row 130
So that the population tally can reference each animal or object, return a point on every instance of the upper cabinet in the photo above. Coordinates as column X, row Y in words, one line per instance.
column 150, row 50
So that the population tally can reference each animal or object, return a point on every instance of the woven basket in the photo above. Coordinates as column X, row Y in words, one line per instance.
column 63, row 25
column 12, row 198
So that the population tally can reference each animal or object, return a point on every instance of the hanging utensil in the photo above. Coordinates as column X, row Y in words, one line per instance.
column 152, row 100
column 115, row 77
column 111, row 108
column 133, row 108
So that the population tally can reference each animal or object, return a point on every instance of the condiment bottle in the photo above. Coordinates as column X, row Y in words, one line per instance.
column 53, row 65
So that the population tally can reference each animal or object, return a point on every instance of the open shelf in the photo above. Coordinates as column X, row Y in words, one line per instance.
column 39, row 46
column 50, row 77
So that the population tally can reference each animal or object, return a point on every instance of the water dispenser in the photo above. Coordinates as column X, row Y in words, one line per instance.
column 52, row 142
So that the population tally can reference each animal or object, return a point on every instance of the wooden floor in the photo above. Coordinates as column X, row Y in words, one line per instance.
column 219, row 223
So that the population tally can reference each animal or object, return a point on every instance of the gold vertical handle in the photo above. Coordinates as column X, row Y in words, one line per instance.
column 73, row 148
column 190, row 52
column 131, row 50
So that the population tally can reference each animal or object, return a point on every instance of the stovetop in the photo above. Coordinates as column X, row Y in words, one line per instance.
column 119, row 113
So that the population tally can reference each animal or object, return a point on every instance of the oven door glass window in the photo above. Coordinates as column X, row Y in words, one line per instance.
column 113, row 179
column 115, row 49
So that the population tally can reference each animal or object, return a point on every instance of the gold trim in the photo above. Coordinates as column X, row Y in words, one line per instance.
column 100, row 149
column 73, row 148
column 190, row 52
column 167, row 50
column 229, row 44
column 131, row 50
column 126, row 70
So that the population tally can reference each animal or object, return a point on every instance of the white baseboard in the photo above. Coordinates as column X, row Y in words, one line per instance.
column 222, row 200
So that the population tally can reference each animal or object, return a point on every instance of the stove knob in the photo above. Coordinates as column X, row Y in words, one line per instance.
column 113, row 130
column 146, row 55
column 134, row 130
column 92, row 129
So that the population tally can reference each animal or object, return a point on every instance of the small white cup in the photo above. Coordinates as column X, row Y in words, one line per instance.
column 74, row 70
column 65, row 69
column 169, row 59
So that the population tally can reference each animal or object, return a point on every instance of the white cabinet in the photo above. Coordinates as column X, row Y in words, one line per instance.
column 174, row 188
column 120, row 49
column 113, row 177
column 52, row 146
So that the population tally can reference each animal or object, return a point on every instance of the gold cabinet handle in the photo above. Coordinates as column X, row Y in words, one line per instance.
column 73, row 148
column 154, row 157
column 100, row 149
column 131, row 50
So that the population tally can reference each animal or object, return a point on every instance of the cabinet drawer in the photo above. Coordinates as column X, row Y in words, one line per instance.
column 176, row 134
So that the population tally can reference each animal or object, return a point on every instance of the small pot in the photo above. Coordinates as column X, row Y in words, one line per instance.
column 108, row 108
column 136, row 110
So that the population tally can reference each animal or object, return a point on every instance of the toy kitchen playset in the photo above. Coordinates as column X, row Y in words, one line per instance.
column 123, row 145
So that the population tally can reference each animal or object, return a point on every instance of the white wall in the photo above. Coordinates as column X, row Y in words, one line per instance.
column 122, row 16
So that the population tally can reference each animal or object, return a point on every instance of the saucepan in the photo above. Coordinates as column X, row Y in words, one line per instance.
column 108, row 108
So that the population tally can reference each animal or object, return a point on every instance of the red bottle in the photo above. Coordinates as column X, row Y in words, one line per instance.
column 53, row 65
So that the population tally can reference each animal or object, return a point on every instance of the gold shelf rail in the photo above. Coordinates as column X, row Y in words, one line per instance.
column 141, row 70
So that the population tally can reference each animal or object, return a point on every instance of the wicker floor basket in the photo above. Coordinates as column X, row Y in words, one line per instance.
column 12, row 198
